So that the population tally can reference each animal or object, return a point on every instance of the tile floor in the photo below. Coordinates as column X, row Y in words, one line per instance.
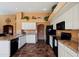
column 40, row 49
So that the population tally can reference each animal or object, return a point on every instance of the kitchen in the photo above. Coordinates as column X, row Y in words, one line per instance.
column 60, row 32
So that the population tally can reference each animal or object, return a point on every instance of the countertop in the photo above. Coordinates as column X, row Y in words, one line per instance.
column 70, row 44
column 10, row 37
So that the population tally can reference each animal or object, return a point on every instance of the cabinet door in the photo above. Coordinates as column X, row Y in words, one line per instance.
column 24, row 39
column 20, row 42
column 30, row 38
column 50, row 41
column 4, row 48
column 64, row 51
column 19, row 45
column 28, row 25
column 67, row 54
column 78, row 54
column 61, row 50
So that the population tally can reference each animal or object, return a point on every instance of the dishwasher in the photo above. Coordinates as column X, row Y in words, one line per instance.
column 13, row 46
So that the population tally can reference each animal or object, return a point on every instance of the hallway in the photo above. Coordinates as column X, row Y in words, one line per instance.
column 40, row 49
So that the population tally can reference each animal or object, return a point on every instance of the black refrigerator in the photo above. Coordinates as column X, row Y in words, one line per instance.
column 49, row 29
column 52, row 32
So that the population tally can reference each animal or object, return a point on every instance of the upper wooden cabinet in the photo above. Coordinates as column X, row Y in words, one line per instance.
column 57, row 9
column 69, row 14
column 28, row 25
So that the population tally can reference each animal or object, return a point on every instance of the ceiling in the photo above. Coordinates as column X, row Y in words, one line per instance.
column 13, row 7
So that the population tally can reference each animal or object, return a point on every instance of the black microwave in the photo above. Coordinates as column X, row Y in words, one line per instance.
column 60, row 26
column 65, row 36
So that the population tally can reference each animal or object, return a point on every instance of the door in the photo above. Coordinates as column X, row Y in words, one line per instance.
column 40, row 32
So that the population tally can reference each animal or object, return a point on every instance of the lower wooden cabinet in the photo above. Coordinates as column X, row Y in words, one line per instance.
column 4, row 48
column 31, row 38
column 22, row 41
column 61, row 52
column 64, row 51
column 78, row 54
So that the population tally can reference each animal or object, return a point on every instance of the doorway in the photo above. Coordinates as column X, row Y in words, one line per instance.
column 40, row 32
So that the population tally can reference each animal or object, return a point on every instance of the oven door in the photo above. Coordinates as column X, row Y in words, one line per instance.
column 55, row 46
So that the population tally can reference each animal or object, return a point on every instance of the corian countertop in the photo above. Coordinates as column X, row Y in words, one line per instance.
column 10, row 37
column 73, row 45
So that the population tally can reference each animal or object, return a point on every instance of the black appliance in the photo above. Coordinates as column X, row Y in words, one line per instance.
column 60, row 26
column 53, row 32
column 13, row 46
column 55, row 46
column 65, row 36
column 49, row 29
column 2, row 35
column 8, row 29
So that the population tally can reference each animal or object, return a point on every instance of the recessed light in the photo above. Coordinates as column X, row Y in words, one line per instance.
column 16, row 8
column 44, row 9
column 29, row 9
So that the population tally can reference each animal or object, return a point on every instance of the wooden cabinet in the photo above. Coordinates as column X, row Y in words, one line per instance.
column 31, row 38
column 67, row 55
column 28, row 25
column 78, row 54
column 4, row 48
column 64, row 51
column 22, row 41
column 61, row 52
column 72, row 17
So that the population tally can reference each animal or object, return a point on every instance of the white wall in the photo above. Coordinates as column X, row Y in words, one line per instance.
column 71, row 18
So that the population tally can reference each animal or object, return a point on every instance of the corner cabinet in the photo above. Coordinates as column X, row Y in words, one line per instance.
column 64, row 51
